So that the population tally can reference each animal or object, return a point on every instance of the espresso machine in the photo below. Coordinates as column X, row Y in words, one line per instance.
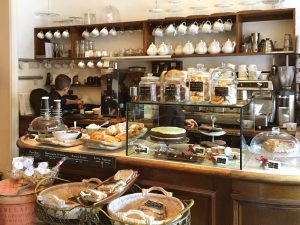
column 286, row 97
column 264, row 100
column 115, row 87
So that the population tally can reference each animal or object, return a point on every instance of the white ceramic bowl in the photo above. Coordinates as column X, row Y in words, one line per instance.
column 96, row 111
column 88, row 112
column 65, row 135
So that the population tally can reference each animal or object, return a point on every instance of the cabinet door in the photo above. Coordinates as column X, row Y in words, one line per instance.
column 265, row 204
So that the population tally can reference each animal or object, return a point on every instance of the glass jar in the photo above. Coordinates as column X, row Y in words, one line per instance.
column 174, row 89
column 223, row 86
column 199, row 87
column 149, row 88
column 275, row 144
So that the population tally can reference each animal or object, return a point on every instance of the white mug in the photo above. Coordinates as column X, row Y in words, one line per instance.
column 49, row 35
column 242, row 68
column 104, row 53
column 85, row 34
column 113, row 32
column 158, row 31
column 81, row 65
column 182, row 28
column 40, row 35
column 66, row 34
column 252, row 67
column 228, row 25
column 170, row 29
column 57, row 34
column 218, row 26
column 291, row 126
column 206, row 28
column 91, row 64
column 104, row 32
column 95, row 32
column 99, row 64
column 98, row 54
column 193, row 28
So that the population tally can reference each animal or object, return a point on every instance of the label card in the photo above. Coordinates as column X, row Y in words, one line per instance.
column 221, row 160
column 273, row 165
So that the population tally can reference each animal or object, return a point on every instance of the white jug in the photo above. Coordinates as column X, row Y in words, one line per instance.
column 163, row 49
column 152, row 49
column 188, row 48
column 201, row 48
column 228, row 46
column 214, row 47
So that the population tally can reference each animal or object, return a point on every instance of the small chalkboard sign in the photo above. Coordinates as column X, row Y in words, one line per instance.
column 221, row 160
column 273, row 165
column 221, row 91
column 72, row 158
column 142, row 149
column 196, row 86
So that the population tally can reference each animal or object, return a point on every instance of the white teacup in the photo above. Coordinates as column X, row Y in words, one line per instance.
column 113, row 32
column 252, row 67
column 242, row 68
column 98, row 54
column 91, row 64
column 158, row 31
column 228, row 25
column 182, row 28
column 170, row 30
column 206, row 27
column 104, row 53
column 104, row 32
column 99, row 64
column 95, row 32
column 218, row 26
column 66, row 34
column 193, row 28
column 49, row 35
column 81, row 65
column 85, row 34
column 57, row 34
column 40, row 35
column 242, row 74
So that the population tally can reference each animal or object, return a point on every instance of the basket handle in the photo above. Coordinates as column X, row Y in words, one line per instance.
column 188, row 205
column 166, row 193
column 40, row 183
column 124, row 215
column 92, row 180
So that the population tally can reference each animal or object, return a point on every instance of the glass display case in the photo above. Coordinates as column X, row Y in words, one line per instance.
column 219, row 140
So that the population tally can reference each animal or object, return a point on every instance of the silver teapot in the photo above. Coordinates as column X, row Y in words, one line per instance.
column 266, row 45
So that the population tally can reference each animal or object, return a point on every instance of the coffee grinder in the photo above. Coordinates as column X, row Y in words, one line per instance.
column 286, row 97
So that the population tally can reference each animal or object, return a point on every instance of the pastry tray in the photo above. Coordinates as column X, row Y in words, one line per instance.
column 54, row 141
column 104, row 145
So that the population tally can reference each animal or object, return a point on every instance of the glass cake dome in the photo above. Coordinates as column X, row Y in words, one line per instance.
column 275, row 144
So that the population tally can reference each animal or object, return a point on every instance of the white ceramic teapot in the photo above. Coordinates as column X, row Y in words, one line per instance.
column 214, row 47
column 201, row 48
column 152, row 49
column 163, row 49
column 188, row 48
column 178, row 50
column 228, row 46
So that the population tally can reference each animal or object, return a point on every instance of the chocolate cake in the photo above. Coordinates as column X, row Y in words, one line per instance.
column 168, row 134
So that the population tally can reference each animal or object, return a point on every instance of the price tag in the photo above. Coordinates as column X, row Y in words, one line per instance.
column 142, row 149
column 273, row 165
column 196, row 86
column 199, row 150
column 221, row 91
column 221, row 160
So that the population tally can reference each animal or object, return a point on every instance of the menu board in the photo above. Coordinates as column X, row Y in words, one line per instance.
column 104, row 162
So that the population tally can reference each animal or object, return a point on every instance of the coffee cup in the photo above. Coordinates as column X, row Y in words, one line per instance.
column 104, row 53
column 158, row 32
column 218, row 26
column 85, row 34
column 66, row 34
column 95, row 32
column 228, row 25
column 193, row 28
column 252, row 67
column 98, row 54
column 91, row 64
column 291, row 126
column 113, row 32
column 49, row 35
column 170, row 30
column 81, row 65
column 99, row 64
column 242, row 68
column 206, row 27
column 40, row 35
column 57, row 34
column 182, row 28
column 104, row 32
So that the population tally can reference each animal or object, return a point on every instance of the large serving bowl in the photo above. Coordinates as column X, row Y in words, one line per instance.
column 66, row 135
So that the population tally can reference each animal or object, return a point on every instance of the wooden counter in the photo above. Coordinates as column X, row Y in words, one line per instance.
column 222, row 196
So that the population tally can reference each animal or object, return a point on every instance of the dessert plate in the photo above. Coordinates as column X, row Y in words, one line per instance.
column 213, row 134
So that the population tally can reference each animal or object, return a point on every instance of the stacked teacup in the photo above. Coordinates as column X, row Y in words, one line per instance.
column 242, row 72
column 254, row 74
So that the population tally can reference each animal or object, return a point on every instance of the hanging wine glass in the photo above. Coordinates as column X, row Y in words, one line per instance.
column 47, row 14
column 156, row 9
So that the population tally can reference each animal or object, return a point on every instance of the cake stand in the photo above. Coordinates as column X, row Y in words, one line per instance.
column 213, row 134
column 164, row 146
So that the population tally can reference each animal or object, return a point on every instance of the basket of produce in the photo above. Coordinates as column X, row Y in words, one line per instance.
column 150, row 209
column 78, row 202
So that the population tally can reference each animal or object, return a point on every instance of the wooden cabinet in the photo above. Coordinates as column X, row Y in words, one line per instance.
column 236, row 34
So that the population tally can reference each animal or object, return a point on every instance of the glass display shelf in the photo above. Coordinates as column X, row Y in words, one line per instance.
column 207, row 144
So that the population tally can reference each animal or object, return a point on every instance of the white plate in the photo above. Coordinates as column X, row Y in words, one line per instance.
column 213, row 134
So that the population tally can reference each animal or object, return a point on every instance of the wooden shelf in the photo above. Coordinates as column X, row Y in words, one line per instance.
column 78, row 85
